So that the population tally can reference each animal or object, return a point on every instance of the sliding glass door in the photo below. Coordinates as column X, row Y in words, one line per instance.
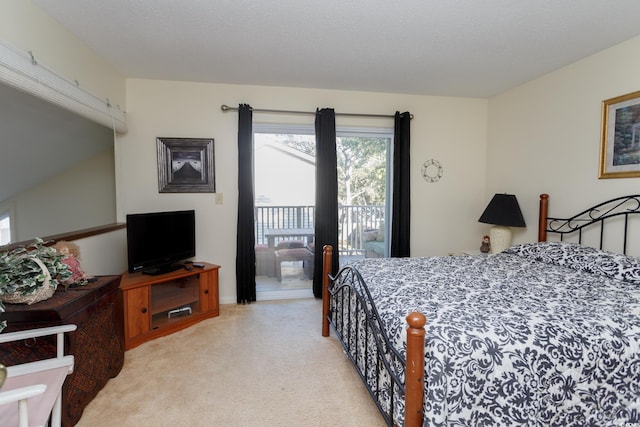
column 363, row 191
column 284, row 188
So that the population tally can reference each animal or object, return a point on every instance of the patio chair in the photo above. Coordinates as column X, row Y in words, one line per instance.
column 294, row 250
column 32, row 392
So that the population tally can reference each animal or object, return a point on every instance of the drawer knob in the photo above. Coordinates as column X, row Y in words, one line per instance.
column 144, row 310
column 206, row 291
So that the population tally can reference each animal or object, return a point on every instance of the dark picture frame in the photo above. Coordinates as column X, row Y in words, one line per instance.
column 620, row 144
column 186, row 165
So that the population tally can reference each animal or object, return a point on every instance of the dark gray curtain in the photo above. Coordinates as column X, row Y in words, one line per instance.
column 401, row 208
column 245, row 252
column 326, row 219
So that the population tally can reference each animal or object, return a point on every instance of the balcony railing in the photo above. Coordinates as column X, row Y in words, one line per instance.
column 352, row 222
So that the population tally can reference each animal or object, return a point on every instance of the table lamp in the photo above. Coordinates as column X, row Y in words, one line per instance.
column 502, row 212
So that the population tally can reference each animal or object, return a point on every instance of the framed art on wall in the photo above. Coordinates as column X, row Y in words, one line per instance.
column 186, row 165
column 620, row 144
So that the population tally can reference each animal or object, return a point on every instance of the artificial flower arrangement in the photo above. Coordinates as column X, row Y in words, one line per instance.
column 32, row 273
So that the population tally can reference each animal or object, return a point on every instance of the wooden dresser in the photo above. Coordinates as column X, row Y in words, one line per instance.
column 97, row 345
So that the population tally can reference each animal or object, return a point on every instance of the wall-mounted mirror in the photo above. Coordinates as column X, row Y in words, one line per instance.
column 57, row 170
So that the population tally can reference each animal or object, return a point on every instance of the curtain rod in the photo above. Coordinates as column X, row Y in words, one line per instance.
column 224, row 107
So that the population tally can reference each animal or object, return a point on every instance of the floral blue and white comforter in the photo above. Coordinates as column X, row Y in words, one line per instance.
column 544, row 334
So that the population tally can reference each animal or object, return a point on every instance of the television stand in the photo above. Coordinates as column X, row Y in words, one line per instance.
column 164, row 269
column 154, row 306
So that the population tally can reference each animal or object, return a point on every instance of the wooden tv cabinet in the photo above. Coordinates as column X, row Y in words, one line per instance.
column 154, row 306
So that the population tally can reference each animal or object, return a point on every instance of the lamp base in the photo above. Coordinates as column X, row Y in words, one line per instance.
column 500, row 238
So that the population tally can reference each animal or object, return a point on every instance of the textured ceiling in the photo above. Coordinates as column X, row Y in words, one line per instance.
column 475, row 48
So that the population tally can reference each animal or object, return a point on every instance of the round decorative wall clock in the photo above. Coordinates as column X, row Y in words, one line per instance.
column 432, row 170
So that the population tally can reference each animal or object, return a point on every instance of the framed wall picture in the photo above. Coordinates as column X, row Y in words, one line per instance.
column 186, row 165
column 620, row 144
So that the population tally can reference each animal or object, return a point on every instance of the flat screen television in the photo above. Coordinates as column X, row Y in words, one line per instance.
column 158, row 241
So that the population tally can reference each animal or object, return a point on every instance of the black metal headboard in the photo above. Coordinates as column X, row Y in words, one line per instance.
column 595, row 216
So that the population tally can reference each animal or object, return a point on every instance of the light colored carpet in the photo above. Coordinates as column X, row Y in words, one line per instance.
column 262, row 364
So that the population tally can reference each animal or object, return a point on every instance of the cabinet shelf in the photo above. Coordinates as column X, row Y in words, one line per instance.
column 154, row 306
column 168, row 296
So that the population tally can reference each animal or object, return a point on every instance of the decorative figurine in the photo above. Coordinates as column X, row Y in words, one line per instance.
column 486, row 244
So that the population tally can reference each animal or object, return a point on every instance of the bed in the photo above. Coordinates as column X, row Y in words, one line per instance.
column 544, row 333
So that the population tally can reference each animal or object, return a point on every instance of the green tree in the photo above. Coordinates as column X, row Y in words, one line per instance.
column 361, row 167
column 361, row 170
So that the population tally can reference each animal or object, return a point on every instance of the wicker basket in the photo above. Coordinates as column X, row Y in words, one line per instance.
column 45, row 291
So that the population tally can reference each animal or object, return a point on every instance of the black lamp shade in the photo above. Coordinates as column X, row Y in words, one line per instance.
column 503, row 210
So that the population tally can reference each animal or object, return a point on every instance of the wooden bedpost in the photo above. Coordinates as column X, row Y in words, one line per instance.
column 414, row 376
column 542, row 217
column 327, row 256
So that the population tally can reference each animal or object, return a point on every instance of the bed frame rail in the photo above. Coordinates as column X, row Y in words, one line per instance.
column 349, row 311
column 595, row 216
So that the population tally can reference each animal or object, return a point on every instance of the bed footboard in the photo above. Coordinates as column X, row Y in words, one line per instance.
column 396, row 384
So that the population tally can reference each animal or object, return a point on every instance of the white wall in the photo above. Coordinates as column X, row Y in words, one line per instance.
column 80, row 197
column 104, row 254
column 544, row 136
column 452, row 130
column 26, row 27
